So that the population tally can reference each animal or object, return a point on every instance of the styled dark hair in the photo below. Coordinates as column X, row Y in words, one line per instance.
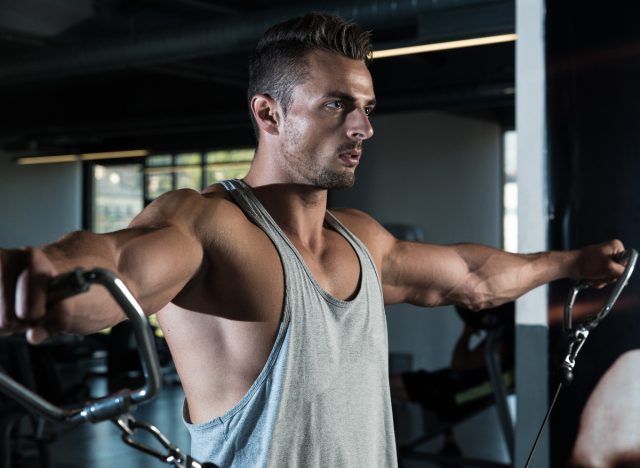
column 279, row 62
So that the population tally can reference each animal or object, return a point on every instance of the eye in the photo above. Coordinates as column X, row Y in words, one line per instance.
column 338, row 105
column 368, row 110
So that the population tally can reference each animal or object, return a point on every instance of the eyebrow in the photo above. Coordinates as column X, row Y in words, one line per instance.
column 347, row 97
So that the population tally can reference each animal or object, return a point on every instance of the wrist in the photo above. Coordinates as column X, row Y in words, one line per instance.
column 571, row 264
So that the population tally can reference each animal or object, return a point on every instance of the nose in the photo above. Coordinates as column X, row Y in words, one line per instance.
column 358, row 125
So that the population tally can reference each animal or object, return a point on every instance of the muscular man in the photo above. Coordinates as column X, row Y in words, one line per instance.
column 271, row 304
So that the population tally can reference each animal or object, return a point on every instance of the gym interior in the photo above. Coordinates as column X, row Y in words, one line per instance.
column 510, row 123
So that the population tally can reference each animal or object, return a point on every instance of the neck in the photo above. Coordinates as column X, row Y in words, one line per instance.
column 298, row 209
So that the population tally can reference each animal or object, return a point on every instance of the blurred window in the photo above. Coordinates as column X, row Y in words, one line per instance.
column 120, row 190
column 510, row 192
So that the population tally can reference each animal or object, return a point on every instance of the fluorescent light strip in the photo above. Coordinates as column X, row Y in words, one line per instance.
column 47, row 159
column 114, row 155
column 419, row 49
column 61, row 158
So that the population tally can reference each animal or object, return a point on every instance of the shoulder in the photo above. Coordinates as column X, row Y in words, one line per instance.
column 377, row 239
column 357, row 220
column 353, row 218
column 189, row 209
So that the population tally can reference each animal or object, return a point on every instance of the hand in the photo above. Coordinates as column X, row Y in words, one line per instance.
column 600, row 264
column 24, row 276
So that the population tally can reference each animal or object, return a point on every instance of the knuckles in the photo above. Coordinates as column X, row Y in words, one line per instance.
column 23, row 282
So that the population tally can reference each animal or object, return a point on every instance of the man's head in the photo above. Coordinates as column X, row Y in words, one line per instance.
column 280, row 60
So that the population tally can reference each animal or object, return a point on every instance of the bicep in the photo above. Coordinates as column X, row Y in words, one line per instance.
column 156, row 263
column 424, row 274
column 160, row 251
column 416, row 273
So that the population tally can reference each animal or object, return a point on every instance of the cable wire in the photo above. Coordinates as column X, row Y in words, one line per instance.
column 544, row 423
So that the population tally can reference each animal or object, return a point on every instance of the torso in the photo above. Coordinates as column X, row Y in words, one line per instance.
column 222, row 326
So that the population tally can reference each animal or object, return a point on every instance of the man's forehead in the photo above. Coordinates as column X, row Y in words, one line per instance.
column 334, row 73
column 327, row 59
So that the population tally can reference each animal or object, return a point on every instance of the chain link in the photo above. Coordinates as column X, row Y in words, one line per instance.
column 172, row 454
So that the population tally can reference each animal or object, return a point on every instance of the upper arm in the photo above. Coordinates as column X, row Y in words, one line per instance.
column 155, row 256
column 413, row 272
column 424, row 274
column 163, row 247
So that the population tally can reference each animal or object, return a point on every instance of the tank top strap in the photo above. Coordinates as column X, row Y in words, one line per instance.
column 258, row 214
column 366, row 260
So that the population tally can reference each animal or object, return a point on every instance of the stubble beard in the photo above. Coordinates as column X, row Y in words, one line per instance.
column 305, row 167
column 335, row 180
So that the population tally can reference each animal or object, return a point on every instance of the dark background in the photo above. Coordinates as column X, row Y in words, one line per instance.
column 171, row 74
column 593, row 73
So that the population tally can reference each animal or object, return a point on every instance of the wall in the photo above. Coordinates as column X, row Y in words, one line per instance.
column 38, row 203
column 533, row 215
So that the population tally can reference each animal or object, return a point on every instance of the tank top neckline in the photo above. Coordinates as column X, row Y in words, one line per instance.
column 335, row 224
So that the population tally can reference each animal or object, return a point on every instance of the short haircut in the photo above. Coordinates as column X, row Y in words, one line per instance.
column 279, row 62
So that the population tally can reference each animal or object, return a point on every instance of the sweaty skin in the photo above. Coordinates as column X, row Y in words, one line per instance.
column 216, row 279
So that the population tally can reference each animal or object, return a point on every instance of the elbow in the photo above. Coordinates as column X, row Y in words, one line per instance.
column 481, row 299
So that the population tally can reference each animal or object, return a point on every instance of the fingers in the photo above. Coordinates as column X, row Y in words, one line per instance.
column 31, row 287
column 24, row 275
column 11, row 264
column 37, row 335
column 602, row 264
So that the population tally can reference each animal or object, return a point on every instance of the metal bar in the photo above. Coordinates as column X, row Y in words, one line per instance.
column 500, row 393
column 112, row 405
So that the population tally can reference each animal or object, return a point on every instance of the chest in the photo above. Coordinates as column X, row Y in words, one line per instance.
column 334, row 265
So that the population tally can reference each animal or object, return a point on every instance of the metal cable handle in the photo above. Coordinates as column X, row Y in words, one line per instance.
column 111, row 406
column 630, row 256
column 115, row 407
column 579, row 335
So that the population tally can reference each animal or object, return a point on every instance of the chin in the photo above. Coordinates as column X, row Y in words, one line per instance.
column 336, row 181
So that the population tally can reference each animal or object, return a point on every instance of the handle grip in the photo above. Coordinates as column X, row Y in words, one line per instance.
column 631, row 257
column 66, row 285
column 78, row 282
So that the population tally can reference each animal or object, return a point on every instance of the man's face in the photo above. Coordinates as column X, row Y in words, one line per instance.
column 327, row 122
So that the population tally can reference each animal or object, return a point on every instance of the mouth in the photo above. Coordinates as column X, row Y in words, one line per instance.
column 350, row 158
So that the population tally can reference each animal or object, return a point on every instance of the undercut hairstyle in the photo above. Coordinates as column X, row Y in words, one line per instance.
column 279, row 61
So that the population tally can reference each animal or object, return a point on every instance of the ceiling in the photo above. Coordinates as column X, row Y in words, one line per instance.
column 98, row 75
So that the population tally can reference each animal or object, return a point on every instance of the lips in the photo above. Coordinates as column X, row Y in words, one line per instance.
column 351, row 158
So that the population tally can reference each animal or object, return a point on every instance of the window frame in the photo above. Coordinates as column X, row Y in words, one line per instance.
column 89, row 185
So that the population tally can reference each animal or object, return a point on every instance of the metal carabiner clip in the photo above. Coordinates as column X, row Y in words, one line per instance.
column 581, row 332
column 171, row 454
column 631, row 256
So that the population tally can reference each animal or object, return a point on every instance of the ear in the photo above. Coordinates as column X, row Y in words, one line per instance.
column 266, row 111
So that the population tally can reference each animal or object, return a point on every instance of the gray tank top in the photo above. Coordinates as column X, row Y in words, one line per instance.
column 322, row 398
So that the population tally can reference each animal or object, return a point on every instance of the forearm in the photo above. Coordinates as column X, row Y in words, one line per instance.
column 94, row 310
column 141, row 257
column 479, row 277
column 494, row 277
